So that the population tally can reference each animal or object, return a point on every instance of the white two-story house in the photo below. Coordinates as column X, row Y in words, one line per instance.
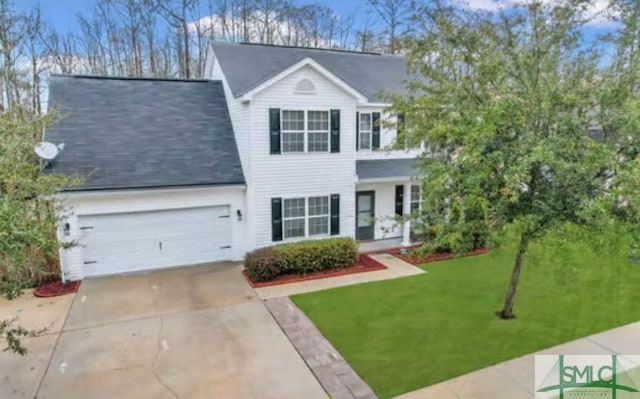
column 276, row 144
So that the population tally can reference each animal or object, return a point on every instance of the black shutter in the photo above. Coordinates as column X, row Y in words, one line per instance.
column 335, row 130
column 400, row 127
column 274, row 130
column 357, row 131
column 335, row 214
column 399, row 199
column 375, row 137
column 276, row 219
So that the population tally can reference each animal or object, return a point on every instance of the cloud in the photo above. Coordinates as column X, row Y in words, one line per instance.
column 598, row 10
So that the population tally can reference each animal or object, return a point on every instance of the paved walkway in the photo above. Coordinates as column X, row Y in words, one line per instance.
column 514, row 379
column 332, row 371
column 395, row 268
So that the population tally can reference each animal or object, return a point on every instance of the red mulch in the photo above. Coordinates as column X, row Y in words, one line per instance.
column 365, row 264
column 56, row 288
column 419, row 260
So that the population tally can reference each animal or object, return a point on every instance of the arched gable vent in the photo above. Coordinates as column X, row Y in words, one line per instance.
column 305, row 86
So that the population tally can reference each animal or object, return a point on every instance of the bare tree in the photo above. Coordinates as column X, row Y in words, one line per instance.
column 177, row 13
column 35, row 52
column 395, row 15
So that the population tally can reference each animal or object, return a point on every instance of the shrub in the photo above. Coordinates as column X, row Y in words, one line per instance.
column 263, row 264
column 300, row 258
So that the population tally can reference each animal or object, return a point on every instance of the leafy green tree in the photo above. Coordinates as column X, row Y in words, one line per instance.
column 29, row 211
column 510, row 108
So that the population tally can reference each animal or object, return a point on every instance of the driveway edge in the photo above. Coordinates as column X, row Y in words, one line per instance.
column 332, row 371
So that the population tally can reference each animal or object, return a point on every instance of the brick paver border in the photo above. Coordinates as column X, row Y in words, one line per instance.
column 332, row 371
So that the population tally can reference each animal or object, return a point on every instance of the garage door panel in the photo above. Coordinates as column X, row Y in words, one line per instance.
column 118, row 243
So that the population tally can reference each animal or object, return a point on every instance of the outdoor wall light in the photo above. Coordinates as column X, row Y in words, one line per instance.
column 67, row 230
column 239, row 213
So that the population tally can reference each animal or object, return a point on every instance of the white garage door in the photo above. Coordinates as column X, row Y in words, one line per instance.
column 128, row 242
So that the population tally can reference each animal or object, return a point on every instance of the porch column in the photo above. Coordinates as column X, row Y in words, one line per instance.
column 406, row 211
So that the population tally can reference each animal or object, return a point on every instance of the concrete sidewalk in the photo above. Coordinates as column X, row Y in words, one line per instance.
column 395, row 268
column 514, row 379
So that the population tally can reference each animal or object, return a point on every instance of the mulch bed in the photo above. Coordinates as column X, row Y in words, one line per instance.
column 365, row 264
column 419, row 260
column 56, row 288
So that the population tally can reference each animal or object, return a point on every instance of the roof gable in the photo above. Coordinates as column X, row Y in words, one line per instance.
column 139, row 133
column 307, row 62
column 247, row 66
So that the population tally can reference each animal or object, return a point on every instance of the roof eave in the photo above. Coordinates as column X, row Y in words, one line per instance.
column 79, row 190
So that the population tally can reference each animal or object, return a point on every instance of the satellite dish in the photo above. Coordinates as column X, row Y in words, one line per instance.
column 48, row 151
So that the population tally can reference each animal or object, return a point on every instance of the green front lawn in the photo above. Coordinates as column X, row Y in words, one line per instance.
column 413, row 332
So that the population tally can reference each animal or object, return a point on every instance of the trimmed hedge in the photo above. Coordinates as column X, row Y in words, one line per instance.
column 301, row 257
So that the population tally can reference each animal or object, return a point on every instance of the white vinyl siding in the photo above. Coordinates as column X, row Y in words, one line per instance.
column 300, row 175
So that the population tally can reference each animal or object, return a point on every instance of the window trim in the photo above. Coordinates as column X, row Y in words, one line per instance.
column 370, row 131
column 326, row 132
column 327, row 216
column 285, row 219
column 306, row 217
column 283, row 131
column 306, row 131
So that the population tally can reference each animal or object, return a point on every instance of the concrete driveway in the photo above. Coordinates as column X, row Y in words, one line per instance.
column 20, row 376
column 196, row 332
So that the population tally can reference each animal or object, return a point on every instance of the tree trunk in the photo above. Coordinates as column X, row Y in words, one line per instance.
column 509, row 301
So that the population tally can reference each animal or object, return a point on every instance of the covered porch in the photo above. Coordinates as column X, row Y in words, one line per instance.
column 385, row 191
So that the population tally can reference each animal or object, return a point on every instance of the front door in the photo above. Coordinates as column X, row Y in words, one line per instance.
column 365, row 215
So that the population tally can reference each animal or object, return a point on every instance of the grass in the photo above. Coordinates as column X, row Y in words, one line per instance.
column 408, row 333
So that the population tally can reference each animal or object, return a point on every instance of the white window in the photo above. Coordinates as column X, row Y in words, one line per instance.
column 415, row 198
column 318, row 131
column 305, row 217
column 365, row 131
column 294, row 217
column 305, row 131
column 293, row 131
column 318, row 216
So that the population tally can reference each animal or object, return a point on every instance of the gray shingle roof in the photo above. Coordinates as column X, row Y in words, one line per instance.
column 140, row 133
column 385, row 168
column 246, row 66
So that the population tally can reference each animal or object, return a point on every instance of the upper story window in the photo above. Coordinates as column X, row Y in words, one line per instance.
column 305, row 130
column 368, row 131
column 365, row 131
column 318, row 131
column 302, row 131
column 293, row 131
